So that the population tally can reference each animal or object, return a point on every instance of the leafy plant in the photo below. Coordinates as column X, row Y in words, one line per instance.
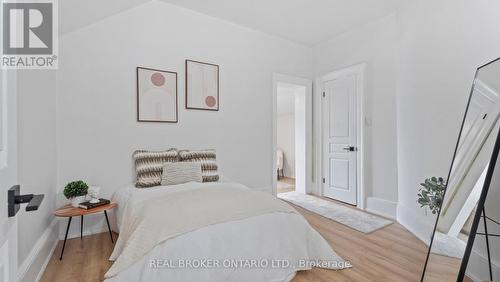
column 431, row 195
column 75, row 189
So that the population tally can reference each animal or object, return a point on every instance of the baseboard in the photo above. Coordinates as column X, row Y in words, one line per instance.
column 382, row 207
column 418, row 225
column 477, row 269
column 92, row 225
column 314, row 189
column 32, row 268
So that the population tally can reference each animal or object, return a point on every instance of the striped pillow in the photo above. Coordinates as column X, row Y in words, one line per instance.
column 182, row 172
column 208, row 161
column 149, row 166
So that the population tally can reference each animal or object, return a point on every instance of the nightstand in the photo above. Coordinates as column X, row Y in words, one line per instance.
column 70, row 211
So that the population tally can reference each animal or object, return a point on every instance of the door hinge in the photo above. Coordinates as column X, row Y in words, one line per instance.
column 324, row 181
column 324, row 94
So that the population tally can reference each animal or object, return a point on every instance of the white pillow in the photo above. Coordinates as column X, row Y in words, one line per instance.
column 224, row 179
column 181, row 172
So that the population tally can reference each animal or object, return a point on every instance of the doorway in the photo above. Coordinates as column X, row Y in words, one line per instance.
column 341, row 135
column 292, row 127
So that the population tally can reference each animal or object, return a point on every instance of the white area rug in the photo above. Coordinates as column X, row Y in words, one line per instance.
column 353, row 218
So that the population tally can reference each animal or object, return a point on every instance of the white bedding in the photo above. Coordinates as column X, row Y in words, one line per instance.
column 272, row 241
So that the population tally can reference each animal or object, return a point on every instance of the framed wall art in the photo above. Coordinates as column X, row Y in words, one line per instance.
column 156, row 95
column 202, row 86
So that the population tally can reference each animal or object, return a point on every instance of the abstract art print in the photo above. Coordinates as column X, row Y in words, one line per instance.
column 156, row 95
column 202, row 86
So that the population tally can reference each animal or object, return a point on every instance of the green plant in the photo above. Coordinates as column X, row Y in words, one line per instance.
column 431, row 195
column 75, row 189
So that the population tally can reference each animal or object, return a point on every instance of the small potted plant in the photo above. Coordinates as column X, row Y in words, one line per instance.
column 431, row 195
column 75, row 192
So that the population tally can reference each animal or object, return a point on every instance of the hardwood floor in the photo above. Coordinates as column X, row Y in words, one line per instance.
column 83, row 261
column 286, row 184
column 389, row 254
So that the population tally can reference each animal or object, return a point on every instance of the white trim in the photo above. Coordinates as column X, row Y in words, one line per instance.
column 468, row 207
column 3, row 119
column 49, row 241
column 478, row 267
column 309, row 113
column 359, row 71
column 92, row 226
column 419, row 225
column 382, row 207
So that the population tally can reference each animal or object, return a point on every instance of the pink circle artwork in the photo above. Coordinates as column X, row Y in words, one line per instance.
column 210, row 101
column 158, row 79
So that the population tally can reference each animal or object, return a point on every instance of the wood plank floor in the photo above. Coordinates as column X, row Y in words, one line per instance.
column 286, row 184
column 83, row 261
column 389, row 254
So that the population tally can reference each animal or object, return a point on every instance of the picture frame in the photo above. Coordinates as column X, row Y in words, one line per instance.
column 157, row 97
column 202, row 86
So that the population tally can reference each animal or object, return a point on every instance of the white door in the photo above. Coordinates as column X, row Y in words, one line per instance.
column 8, row 174
column 339, row 139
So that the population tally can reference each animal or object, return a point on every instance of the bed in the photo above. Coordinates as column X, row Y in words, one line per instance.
column 192, row 243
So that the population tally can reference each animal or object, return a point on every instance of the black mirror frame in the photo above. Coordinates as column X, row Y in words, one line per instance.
column 484, row 192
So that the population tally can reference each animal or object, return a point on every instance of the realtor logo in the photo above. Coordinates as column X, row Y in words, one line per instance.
column 29, row 35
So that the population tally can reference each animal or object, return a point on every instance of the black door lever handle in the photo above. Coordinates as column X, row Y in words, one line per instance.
column 350, row 148
column 15, row 200
column 21, row 199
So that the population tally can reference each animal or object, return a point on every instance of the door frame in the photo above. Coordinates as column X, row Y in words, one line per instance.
column 359, row 72
column 8, row 171
column 308, row 83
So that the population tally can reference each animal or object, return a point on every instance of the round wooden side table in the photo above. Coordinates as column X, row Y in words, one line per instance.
column 70, row 211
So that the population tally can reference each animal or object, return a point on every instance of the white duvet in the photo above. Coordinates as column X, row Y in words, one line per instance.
column 267, row 247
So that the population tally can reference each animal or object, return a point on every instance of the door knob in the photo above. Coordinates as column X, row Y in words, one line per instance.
column 350, row 148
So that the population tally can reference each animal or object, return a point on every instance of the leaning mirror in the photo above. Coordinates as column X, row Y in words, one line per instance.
column 459, row 232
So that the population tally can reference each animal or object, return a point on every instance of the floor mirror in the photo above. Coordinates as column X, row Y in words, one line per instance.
column 465, row 245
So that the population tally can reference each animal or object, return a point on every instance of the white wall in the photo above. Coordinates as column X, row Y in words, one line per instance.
column 286, row 142
column 375, row 45
column 96, row 100
column 439, row 48
column 421, row 64
column 36, row 164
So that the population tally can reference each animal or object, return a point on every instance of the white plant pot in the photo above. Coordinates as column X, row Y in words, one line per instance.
column 75, row 201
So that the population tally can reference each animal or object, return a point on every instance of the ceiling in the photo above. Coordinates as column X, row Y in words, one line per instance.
column 304, row 21
column 75, row 14
column 307, row 22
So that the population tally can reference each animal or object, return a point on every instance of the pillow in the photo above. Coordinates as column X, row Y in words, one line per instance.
column 179, row 173
column 208, row 161
column 149, row 166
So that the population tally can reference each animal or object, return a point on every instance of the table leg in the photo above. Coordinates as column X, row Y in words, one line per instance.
column 109, row 228
column 81, row 227
column 65, row 237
